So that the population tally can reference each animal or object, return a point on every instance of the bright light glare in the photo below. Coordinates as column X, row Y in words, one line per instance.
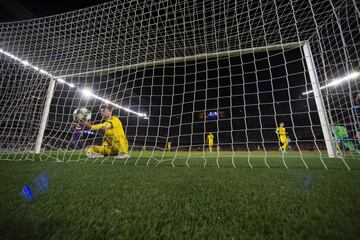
column 354, row 75
column 86, row 93
column 305, row 93
column 337, row 81
column 63, row 81
column 26, row 63
column 45, row 72
column 116, row 105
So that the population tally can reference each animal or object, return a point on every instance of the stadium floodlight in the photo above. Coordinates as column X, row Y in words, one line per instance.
column 337, row 82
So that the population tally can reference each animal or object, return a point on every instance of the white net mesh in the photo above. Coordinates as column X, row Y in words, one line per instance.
column 232, row 68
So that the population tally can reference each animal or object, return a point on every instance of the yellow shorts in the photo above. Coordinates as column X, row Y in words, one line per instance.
column 283, row 139
column 211, row 143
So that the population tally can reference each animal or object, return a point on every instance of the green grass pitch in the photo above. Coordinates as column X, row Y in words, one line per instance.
column 147, row 198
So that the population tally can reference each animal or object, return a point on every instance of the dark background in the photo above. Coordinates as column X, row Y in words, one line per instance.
column 17, row 10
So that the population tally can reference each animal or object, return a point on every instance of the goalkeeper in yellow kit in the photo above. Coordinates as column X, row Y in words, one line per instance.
column 282, row 136
column 115, row 142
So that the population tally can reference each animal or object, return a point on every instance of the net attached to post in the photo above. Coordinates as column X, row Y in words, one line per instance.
column 176, row 72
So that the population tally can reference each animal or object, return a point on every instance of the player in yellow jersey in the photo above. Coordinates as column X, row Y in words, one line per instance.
column 115, row 142
column 169, row 146
column 282, row 136
column 210, row 138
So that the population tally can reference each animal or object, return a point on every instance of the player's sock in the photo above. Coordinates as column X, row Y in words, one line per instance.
column 90, row 155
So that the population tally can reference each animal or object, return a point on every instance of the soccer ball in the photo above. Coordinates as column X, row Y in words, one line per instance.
column 82, row 115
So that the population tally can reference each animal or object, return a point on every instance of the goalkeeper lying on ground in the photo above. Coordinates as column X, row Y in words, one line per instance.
column 115, row 142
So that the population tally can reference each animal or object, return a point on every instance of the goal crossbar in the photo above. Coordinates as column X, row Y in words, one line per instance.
column 198, row 57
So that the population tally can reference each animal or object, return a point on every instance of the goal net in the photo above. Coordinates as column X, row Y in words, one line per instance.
column 176, row 71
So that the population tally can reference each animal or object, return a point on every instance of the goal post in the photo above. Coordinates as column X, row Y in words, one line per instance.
column 45, row 115
column 325, row 126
